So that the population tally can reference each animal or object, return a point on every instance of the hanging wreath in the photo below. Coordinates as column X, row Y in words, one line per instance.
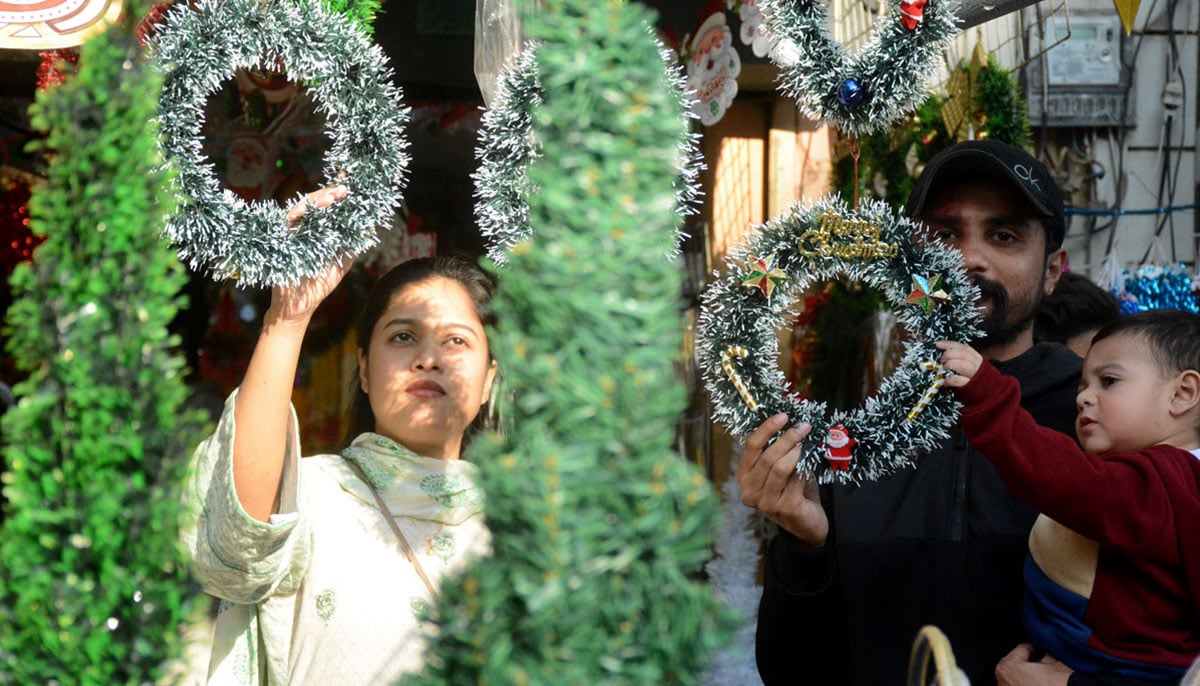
column 879, row 83
column 738, row 348
column 198, row 49
column 507, row 147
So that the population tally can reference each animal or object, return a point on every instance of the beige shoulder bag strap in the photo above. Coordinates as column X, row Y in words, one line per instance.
column 408, row 551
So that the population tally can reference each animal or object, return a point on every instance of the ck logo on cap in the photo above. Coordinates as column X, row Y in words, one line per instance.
column 1027, row 174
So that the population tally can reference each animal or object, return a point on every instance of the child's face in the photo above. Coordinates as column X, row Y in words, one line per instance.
column 1124, row 398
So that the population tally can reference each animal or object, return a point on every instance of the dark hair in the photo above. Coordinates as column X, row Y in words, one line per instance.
column 1173, row 336
column 1076, row 306
column 460, row 268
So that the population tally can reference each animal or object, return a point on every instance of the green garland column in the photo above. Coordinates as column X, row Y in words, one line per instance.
column 599, row 528
column 93, row 585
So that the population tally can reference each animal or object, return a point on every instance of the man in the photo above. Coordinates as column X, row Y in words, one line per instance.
column 855, row 572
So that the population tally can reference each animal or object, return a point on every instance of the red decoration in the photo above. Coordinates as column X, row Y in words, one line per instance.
column 911, row 13
column 150, row 24
column 55, row 66
column 839, row 448
column 804, row 342
column 17, row 242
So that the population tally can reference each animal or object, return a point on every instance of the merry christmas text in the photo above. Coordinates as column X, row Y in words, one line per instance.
column 836, row 236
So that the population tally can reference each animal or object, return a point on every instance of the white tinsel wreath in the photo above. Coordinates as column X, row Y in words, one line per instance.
column 507, row 147
column 198, row 48
column 742, row 310
column 877, row 85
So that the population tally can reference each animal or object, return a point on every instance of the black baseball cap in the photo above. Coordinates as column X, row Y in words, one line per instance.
column 1002, row 161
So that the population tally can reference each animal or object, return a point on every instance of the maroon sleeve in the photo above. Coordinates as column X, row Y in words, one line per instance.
column 1118, row 499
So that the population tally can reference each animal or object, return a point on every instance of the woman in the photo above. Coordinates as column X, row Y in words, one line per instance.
column 322, row 583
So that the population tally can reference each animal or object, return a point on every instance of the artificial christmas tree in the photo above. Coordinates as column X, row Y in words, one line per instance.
column 599, row 529
column 93, row 584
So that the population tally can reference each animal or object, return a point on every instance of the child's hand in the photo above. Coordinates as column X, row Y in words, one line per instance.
column 960, row 361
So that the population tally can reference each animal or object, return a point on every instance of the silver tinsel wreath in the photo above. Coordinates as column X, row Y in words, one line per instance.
column 890, row 72
column 198, row 48
column 507, row 146
column 907, row 413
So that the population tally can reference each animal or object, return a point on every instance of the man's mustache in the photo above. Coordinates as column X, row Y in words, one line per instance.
column 991, row 290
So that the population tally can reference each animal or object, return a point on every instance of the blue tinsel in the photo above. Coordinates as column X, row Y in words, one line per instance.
column 1158, row 288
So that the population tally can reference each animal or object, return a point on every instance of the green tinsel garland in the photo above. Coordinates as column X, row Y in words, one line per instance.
column 884, row 80
column 738, row 346
column 507, row 146
column 198, row 49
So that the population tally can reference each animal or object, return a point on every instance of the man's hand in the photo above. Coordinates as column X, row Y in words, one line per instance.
column 1018, row 668
column 767, row 478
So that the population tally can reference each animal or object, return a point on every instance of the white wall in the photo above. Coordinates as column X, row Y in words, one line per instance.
column 1144, row 148
column 1131, row 159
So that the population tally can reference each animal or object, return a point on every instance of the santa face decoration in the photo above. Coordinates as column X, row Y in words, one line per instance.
column 713, row 68
column 911, row 13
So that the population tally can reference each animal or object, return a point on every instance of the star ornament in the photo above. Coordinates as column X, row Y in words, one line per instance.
column 927, row 293
column 765, row 275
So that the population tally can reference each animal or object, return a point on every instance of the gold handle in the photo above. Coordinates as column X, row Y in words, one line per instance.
column 931, row 641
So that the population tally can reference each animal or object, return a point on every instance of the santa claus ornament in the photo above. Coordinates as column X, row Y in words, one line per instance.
column 839, row 448
column 911, row 13
column 738, row 347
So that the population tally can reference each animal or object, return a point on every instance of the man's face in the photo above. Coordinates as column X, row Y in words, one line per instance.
column 1004, row 250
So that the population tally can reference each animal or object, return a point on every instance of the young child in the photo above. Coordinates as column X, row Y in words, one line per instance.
column 1113, row 573
column 1074, row 312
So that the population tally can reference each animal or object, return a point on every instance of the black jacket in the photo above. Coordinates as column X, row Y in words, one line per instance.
column 940, row 544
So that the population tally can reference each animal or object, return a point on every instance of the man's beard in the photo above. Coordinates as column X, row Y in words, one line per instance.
column 1004, row 322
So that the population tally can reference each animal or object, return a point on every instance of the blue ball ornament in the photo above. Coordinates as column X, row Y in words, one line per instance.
column 852, row 93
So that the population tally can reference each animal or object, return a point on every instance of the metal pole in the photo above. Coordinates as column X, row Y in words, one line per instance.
column 975, row 12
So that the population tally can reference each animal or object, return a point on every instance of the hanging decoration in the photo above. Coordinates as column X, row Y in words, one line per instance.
column 55, row 65
column 754, row 27
column 712, row 64
column 983, row 100
column 17, row 241
column 871, row 89
column 507, row 147
column 199, row 48
column 1127, row 10
column 812, row 244
column 54, row 24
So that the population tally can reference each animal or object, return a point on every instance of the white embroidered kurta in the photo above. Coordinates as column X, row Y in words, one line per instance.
column 323, row 594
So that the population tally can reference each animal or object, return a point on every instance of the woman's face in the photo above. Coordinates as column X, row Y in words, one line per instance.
column 428, row 370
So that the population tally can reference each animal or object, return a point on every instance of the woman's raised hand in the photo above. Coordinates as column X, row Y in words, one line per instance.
column 297, row 302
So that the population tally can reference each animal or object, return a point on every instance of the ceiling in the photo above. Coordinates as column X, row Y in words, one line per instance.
column 430, row 44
